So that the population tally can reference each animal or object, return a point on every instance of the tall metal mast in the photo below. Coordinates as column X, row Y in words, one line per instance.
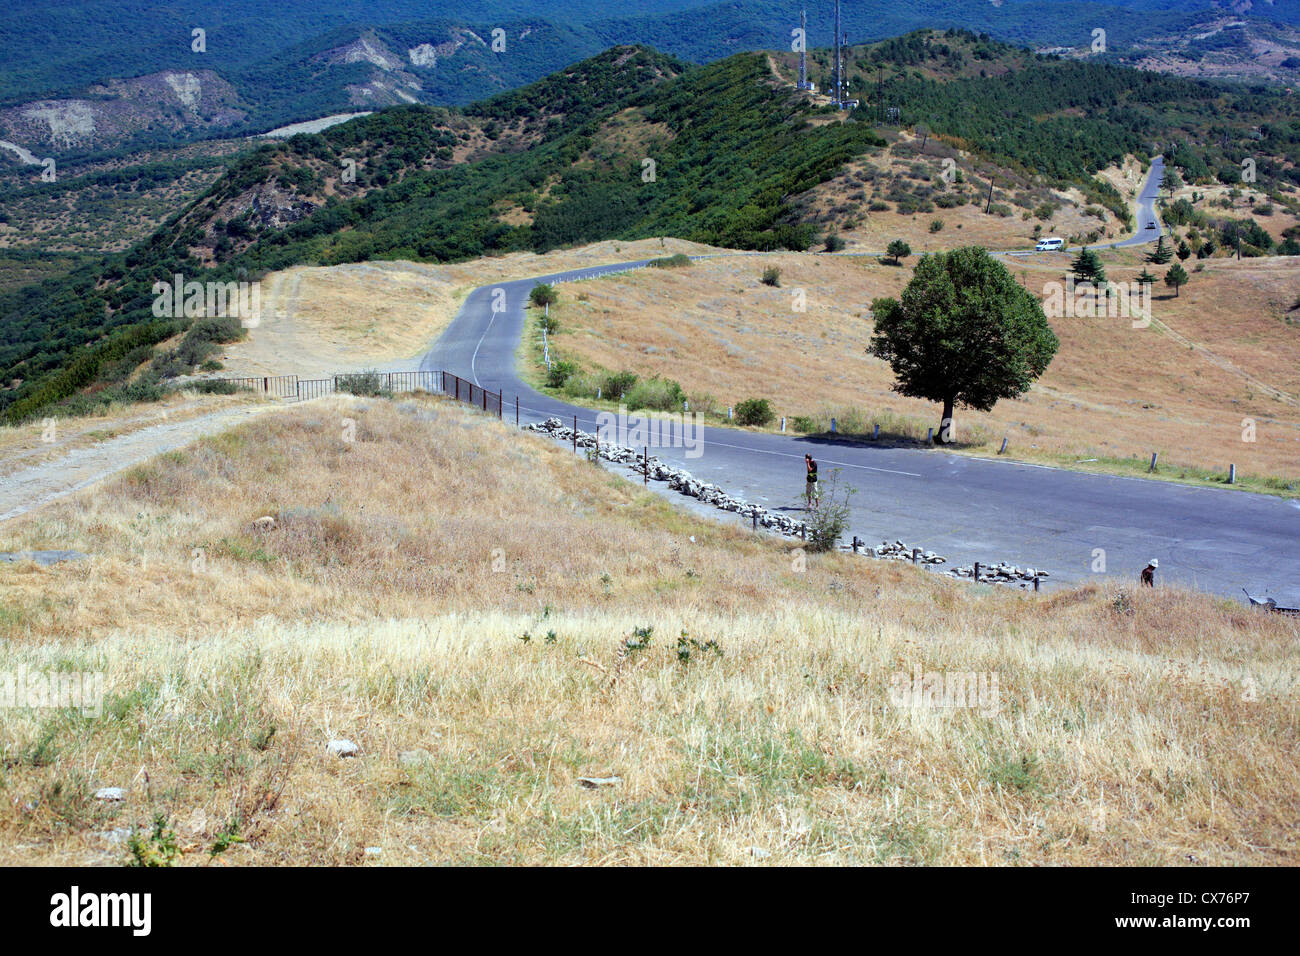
column 837, row 95
column 803, row 54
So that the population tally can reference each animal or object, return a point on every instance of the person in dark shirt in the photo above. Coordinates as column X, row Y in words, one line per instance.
column 813, row 493
column 1149, row 573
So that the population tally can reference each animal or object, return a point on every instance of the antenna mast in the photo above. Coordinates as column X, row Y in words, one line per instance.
column 803, row 51
column 837, row 95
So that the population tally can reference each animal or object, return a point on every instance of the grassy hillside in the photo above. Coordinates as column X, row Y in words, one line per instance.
column 481, row 681
column 734, row 153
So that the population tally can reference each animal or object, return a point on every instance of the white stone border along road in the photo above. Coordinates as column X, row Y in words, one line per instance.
column 683, row 482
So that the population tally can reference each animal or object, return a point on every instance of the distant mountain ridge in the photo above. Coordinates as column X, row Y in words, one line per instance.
column 267, row 67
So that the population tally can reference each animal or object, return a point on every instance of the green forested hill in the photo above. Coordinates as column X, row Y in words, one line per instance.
column 565, row 161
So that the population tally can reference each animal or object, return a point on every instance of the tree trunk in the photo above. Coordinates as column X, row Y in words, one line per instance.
column 946, row 424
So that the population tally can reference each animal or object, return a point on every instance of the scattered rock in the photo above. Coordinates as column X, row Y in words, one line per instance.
column 110, row 793
column 343, row 748
column 685, row 483
column 374, row 851
column 591, row 783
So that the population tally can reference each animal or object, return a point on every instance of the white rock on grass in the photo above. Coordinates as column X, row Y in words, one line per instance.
column 110, row 793
column 343, row 748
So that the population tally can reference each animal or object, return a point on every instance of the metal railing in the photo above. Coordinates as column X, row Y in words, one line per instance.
column 293, row 388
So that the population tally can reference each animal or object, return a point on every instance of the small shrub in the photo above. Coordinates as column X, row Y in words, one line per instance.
column 834, row 243
column 617, row 384
column 754, row 411
column 660, row 394
column 671, row 262
column 217, row 386
column 936, row 225
column 158, row 848
column 771, row 276
column 365, row 384
column 830, row 516
column 543, row 295
column 559, row 373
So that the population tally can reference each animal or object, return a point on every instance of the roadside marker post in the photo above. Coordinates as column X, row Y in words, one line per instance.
column 575, row 434
column 645, row 474
column 1232, row 474
column 1155, row 455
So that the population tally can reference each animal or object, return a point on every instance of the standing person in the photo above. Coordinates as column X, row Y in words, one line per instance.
column 813, row 493
column 1149, row 573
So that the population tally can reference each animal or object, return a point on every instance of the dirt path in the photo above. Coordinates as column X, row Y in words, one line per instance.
column 31, row 487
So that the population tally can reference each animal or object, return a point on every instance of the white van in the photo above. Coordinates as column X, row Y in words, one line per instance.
column 1049, row 245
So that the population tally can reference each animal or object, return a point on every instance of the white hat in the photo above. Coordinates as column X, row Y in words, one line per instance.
column 1155, row 563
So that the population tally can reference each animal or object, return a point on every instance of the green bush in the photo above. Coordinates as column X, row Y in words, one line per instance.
column 559, row 373
column 671, row 262
column 660, row 394
column 216, row 386
column 366, row 384
column 834, row 243
column 543, row 295
column 617, row 384
column 754, row 411
column 830, row 516
column 771, row 276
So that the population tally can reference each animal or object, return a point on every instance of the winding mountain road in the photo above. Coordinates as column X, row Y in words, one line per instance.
column 1073, row 524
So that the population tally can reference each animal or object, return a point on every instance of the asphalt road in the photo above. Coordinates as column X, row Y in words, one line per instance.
column 968, row 509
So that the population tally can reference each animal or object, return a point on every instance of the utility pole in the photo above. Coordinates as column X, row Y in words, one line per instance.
column 803, row 54
column 880, row 93
column 836, row 95
column 989, row 204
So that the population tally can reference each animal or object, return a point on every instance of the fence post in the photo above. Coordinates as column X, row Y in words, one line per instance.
column 977, row 573
column 575, row 434
column 916, row 555
column 516, row 411
column 1154, row 455
column 876, row 433
column 484, row 391
column 500, row 402
column 645, row 475
column 782, row 423
column 754, row 514
column 803, row 532
column 1232, row 474
column 1004, row 446
column 855, row 544
column 1035, row 582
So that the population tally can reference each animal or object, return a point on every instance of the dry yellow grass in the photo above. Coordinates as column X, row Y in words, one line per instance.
column 388, row 607
column 1216, row 355
column 318, row 320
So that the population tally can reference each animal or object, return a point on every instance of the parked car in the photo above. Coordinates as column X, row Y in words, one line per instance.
column 1049, row 245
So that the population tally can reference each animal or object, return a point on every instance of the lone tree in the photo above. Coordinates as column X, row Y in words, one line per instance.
column 1088, row 268
column 543, row 295
column 898, row 250
column 1175, row 277
column 1161, row 255
column 963, row 332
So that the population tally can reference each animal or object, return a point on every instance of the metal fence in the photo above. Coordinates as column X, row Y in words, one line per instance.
column 293, row 388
